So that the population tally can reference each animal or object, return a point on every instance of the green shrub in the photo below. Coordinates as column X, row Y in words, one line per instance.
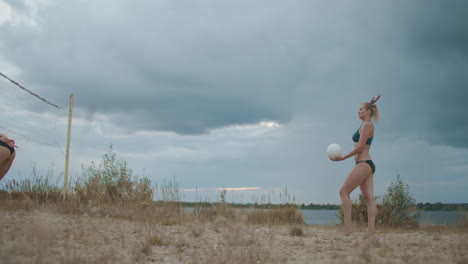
column 398, row 207
column 110, row 181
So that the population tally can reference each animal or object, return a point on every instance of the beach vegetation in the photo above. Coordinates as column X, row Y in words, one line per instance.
column 397, row 208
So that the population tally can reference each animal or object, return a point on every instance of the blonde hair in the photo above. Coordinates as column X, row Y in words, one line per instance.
column 374, row 110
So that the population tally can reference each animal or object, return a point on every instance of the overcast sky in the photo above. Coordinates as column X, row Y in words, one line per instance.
column 245, row 93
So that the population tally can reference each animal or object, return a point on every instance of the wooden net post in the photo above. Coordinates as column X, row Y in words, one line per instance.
column 67, row 157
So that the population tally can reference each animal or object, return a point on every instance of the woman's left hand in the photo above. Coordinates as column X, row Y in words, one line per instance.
column 340, row 158
column 11, row 142
column 8, row 140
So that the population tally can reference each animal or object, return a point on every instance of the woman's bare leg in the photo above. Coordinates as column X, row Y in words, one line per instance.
column 355, row 178
column 367, row 189
column 6, row 163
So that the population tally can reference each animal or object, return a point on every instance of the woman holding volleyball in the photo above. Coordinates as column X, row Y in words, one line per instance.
column 362, row 174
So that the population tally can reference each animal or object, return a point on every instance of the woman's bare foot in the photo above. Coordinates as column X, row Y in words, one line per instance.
column 347, row 231
column 369, row 234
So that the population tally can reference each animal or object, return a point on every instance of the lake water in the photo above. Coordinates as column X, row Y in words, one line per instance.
column 328, row 217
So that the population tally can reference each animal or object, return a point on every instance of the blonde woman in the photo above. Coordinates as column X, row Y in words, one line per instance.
column 362, row 174
column 7, row 154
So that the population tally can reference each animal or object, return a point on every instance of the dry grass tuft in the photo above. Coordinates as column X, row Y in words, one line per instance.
column 158, row 241
column 296, row 230
column 289, row 214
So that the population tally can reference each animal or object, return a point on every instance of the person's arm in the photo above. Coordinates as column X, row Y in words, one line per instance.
column 365, row 134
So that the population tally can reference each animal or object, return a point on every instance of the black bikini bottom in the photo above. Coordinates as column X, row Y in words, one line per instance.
column 370, row 162
column 3, row 144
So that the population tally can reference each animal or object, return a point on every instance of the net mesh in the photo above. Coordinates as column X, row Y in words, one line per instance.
column 26, row 117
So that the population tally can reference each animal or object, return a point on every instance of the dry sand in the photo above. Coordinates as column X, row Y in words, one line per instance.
column 48, row 237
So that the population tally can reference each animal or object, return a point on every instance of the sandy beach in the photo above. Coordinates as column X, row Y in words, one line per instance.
column 44, row 236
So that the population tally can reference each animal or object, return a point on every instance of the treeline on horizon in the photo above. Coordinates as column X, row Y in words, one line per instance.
column 442, row 207
column 312, row 206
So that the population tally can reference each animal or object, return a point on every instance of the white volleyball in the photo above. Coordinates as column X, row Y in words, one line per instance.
column 334, row 150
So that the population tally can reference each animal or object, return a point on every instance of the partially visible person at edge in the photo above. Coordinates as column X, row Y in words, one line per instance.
column 362, row 174
column 7, row 154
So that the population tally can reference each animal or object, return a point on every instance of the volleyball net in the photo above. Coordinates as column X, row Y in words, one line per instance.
column 29, row 118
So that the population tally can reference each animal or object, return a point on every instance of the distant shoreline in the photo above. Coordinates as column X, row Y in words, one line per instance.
column 419, row 206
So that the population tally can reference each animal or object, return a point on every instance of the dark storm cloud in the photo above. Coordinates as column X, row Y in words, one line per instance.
column 189, row 67
column 433, row 82
column 163, row 66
